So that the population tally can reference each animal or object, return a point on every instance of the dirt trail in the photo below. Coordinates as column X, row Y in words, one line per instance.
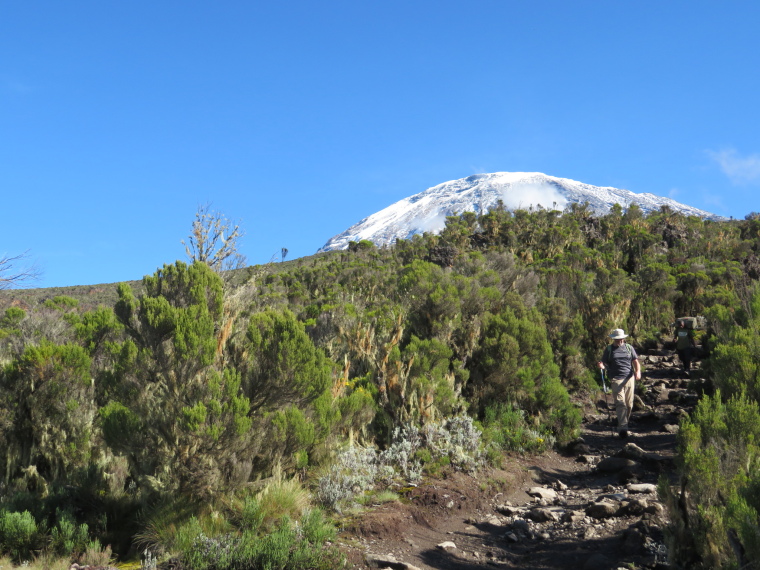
column 593, row 507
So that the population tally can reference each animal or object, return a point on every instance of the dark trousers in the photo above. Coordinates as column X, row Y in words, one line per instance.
column 685, row 355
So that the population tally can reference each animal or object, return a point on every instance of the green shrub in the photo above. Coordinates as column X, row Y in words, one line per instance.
column 506, row 427
column 20, row 536
column 67, row 537
column 718, row 505
column 515, row 364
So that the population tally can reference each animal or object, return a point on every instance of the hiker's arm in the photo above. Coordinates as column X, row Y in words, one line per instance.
column 603, row 358
column 637, row 368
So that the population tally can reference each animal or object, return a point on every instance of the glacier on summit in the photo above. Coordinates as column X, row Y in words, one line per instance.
column 427, row 211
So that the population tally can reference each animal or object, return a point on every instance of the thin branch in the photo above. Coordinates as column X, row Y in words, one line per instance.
column 11, row 275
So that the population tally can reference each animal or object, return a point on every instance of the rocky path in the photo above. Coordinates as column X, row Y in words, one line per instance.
column 594, row 507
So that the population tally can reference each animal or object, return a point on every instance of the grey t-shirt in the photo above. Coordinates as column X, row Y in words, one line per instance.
column 619, row 360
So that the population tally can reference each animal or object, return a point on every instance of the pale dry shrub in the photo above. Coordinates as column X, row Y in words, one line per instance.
column 96, row 555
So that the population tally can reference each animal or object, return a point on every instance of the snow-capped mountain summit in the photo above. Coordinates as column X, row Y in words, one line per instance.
column 427, row 211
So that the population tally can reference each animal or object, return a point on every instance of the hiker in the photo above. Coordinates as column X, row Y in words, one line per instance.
column 685, row 344
column 622, row 363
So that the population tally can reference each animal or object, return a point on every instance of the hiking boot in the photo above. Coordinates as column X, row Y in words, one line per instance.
column 623, row 433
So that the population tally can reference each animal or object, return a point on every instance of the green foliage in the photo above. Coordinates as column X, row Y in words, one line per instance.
column 67, row 537
column 287, row 380
column 719, row 450
column 722, row 478
column 362, row 245
column 275, row 529
column 514, row 357
column 356, row 405
column 289, row 547
column 426, row 383
column 171, row 525
column 122, row 427
column 20, row 536
column 283, row 365
column 507, row 428
column 61, row 303
column 95, row 328
column 515, row 365
column 178, row 417
column 734, row 365
column 50, row 420
column 10, row 321
column 654, row 302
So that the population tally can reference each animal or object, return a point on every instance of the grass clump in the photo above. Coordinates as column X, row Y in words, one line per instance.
column 276, row 528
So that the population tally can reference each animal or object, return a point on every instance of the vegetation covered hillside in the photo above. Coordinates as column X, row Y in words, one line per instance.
column 223, row 421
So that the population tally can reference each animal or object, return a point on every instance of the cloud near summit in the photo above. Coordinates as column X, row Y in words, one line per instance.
column 739, row 169
column 523, row 195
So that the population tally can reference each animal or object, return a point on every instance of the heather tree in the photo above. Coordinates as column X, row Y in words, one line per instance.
column 177, row 413
column 47, row 419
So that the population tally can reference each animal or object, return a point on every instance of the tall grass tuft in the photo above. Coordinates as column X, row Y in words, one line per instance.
column 275, row 528
column 172, row 525
column 282, row 498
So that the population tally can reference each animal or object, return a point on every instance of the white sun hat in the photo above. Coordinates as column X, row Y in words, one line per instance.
column 617, row 334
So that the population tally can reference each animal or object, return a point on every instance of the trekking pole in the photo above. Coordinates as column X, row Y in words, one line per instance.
column 606, row 401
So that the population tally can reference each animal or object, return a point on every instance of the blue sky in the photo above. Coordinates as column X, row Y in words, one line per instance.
column 119, row 118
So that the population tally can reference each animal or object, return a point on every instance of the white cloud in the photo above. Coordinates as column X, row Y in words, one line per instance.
column 433, row 224
column 525, row 195
column 739, row 169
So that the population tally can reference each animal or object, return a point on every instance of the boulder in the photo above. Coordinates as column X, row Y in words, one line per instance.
column 545, row 514
column 602, row 510
column 633, row 451
column 588, row 459
column 573, row 516
column 543, row 493
column 509, row 510
column 634, row 507
column 615, row 464
column 655, row 509
column 381, row 561
column 641, row 488
column 615, row 497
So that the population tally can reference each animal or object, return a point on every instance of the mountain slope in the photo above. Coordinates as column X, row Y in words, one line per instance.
column 427, row 211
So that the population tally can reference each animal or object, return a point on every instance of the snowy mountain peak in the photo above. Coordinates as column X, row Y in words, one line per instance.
column 427, row 211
